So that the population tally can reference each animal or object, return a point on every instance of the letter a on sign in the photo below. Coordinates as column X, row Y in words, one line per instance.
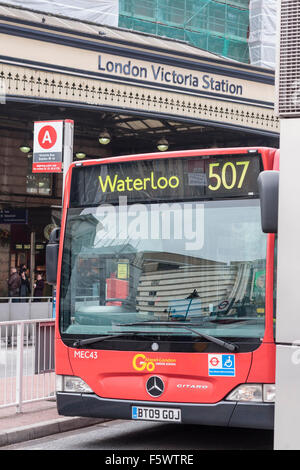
column 47, row 147
column 47, row 137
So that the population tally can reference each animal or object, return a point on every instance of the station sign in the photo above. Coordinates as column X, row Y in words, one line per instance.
column 13, row 216
column 48, row 147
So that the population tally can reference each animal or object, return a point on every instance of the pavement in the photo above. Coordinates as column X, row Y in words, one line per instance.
column 37, row 419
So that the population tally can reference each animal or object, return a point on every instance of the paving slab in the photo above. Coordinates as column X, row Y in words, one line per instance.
column 38, row 419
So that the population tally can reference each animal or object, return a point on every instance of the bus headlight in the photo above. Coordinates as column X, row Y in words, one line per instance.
column 269, row 392
column 69, row 383
column 253, row 393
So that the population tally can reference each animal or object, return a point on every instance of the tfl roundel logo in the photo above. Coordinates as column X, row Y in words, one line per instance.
column 221, row 365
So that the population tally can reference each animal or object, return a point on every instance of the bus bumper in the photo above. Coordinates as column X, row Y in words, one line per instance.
column 223, row 413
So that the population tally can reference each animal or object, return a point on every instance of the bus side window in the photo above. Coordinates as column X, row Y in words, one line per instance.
column 275, row 280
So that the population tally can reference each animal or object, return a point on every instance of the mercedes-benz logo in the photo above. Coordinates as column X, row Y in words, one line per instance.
column 155, row 386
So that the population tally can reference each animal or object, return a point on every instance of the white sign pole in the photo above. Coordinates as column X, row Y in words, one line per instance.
column 68, row 149
column 68, row 138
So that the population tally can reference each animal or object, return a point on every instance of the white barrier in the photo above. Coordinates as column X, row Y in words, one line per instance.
column 25, row 308
column 26, row 362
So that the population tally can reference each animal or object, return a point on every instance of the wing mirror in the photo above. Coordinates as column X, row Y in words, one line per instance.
column 52, row 256
column 268, row 188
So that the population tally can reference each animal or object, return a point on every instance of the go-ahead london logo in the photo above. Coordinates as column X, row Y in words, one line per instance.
column 141, row 362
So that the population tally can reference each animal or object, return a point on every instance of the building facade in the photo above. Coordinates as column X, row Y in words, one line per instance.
column 242, row 30
column 134, row 87
column 220, row 27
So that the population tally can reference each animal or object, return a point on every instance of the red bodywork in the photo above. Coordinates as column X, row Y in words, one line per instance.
column 123, row 374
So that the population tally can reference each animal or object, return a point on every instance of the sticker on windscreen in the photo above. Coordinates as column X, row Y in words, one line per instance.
column 222, row 365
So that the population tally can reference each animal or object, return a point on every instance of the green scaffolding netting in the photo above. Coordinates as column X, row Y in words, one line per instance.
column 218, row 26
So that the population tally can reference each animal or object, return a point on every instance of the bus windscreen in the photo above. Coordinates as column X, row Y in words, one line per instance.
column 166, row 179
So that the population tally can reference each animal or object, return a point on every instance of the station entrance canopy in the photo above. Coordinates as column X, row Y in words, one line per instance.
column 55, row 60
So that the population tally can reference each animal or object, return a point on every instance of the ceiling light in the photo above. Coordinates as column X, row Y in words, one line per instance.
column 25, row 148
column 104, row 138
column 162, row 145
column 80, row 155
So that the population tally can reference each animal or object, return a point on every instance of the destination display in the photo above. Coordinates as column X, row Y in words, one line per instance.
column 166, row 179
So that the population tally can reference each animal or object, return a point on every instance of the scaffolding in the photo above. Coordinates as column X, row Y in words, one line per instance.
column 96, row 11
column 217, row 26
column 262, row 38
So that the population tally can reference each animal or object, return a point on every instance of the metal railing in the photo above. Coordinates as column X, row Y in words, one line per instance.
column 26, row 362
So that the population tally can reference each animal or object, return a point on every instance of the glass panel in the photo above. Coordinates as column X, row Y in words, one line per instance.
column 216, row 45
column 171, row 32
column 171, row 12
column 145, row 9
column 186, row 261
column 144, row 26
column 38, row 183
column 216, row 18
column 125, row 7
column 275, row 285
column 237, row 50
column 237, row 23
column 197, row 39
column 125, row 22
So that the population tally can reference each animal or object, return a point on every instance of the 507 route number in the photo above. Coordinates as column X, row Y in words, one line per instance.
column 225, row 175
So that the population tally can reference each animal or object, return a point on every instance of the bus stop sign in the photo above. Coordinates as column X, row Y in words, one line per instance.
column 47, row 147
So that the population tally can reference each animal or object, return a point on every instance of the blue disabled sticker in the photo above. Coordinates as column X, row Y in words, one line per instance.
column 222, row 365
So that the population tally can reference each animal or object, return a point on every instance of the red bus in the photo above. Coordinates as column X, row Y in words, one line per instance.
column 165, row 307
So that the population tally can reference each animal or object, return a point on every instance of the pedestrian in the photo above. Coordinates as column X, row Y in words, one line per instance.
column 23, row 269
column 39, row 287
column 24, row 287
column 13, row 284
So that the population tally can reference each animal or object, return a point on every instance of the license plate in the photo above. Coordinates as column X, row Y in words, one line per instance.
column 156, row 414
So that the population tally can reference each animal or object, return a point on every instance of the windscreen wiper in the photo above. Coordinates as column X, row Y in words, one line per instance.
column 225, row 344
column 227, row 320
column 82, row 342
